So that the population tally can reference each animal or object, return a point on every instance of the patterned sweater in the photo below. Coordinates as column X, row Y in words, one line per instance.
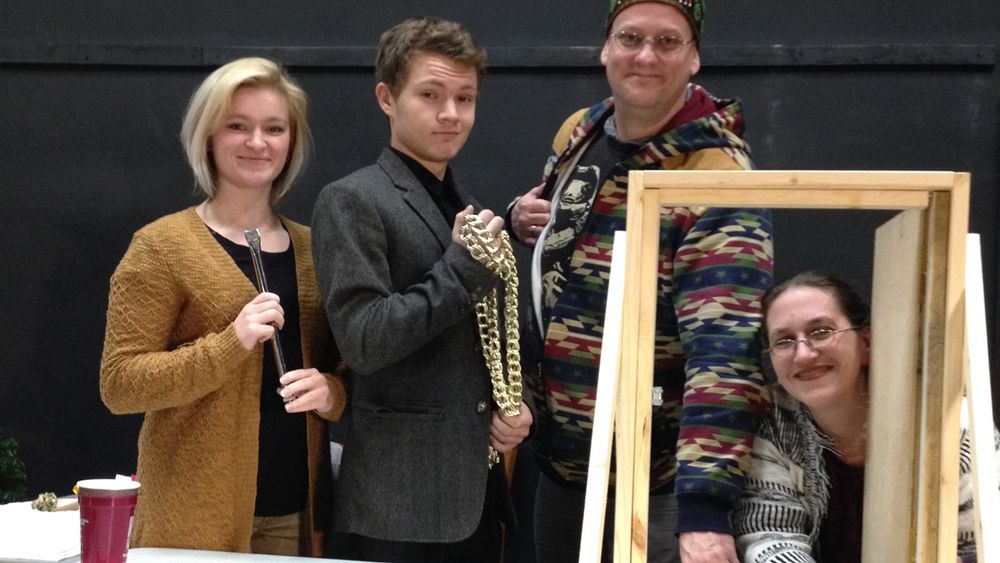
column 715, row 264
column 171, row 352
column 779, row 516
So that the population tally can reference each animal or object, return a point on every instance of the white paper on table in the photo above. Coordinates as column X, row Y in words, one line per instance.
column 32, row 535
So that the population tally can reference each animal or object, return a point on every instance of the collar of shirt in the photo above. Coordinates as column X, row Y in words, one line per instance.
column 619, row 148
column 443, row 192
column 426, row 177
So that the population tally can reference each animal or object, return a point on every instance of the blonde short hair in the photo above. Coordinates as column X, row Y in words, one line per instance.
column 209, row 107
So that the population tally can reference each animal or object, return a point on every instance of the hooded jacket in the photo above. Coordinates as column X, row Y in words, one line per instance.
column 715, row 265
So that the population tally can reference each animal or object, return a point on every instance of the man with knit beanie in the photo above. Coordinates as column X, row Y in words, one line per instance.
column 715, row 265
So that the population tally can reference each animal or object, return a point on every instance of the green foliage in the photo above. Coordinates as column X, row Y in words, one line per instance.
column 13, row 479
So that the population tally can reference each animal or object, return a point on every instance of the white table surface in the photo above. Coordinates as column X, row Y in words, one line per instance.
column 162, row 554
column 30, row 536
column 157, row 554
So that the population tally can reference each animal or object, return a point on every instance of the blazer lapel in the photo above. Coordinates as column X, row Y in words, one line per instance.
column 416, row 196
column 466, row 197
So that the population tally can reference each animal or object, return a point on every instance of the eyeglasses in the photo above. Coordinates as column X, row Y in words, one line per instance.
column 817, row 339
column 662, row 44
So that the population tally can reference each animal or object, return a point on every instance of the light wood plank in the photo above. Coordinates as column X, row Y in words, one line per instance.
column 929, row 475
column 816, row 198
column 937, row 516
column 952, row 383
column 943, row 330
column 625, row 428
column 894, row 387
column 643, row 405
column 800, row 180
column 977, row 392
column 599, row 469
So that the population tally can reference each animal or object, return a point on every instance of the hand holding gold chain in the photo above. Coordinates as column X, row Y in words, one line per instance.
column 495, row 253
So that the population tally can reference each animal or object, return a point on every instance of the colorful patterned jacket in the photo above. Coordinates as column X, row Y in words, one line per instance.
column 715, row 265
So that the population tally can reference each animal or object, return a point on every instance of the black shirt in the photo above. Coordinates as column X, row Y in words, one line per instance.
column 571, row 208
column 443, row 192
column 282, row 458
column 840, row 534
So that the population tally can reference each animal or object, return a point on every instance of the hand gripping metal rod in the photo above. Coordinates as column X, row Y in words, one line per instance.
column 253, row 241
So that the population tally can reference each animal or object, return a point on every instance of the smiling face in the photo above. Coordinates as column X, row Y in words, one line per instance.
column 642, row 80
column 823, row 378
column 250, row 148
column 433, row 111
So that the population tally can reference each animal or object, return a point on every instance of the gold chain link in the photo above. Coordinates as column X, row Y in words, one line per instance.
column 495, row 253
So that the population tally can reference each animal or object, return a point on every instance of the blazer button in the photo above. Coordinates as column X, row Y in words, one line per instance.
column 481, row 407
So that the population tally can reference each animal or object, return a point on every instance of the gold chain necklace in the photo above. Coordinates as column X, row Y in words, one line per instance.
column 495, row 253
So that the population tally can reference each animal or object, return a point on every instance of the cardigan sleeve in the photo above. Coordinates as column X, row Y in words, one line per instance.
column 770, row 520
column 138, row 371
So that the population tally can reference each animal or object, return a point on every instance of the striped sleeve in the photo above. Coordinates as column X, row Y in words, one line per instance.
column 966, row 514
column 770, row 522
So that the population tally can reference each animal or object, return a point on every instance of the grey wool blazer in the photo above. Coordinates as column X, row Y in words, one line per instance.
column 399, row 295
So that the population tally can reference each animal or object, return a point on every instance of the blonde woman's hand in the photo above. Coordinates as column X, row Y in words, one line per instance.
column 305, row 390
column 257, row 320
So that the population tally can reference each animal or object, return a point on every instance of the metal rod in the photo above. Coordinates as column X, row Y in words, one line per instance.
column 253, row 241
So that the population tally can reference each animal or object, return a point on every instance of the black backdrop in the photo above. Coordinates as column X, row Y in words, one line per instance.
column 91, row 97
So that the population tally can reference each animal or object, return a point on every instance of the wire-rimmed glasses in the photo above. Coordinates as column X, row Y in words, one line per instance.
column 817, row 339
column 663, row 45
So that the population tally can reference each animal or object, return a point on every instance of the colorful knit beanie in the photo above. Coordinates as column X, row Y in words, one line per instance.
column 693, row 10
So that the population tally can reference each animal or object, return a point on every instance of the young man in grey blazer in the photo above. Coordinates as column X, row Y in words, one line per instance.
column 399, row 288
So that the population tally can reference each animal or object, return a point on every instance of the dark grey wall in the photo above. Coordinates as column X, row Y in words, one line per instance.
column 91, row 97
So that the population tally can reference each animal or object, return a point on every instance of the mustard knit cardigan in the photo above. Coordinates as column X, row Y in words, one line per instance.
column 171, row 352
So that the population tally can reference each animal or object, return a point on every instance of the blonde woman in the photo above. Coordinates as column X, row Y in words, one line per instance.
column 231, row 457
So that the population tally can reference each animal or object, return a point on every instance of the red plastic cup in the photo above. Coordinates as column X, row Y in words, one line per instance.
column 106, row 510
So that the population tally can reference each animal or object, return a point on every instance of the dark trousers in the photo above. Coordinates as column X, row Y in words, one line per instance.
column 559, row 524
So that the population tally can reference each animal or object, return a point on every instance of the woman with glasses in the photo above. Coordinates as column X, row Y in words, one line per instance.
column 805, row 488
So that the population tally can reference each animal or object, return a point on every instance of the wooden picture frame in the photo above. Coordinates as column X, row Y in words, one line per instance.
column 918, row 346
